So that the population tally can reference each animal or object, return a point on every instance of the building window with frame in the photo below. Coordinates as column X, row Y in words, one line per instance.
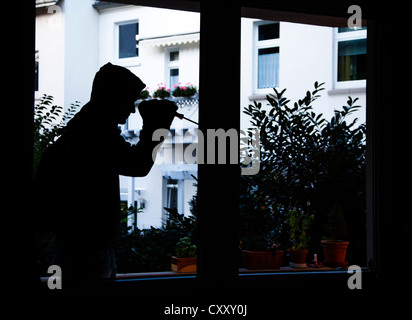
column 128, row 34
column 350, row 57
column 266, row 55
column 172, row 67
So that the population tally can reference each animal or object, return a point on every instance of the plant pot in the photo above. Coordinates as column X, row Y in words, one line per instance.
column 259, row 260
column 182, row 265
column 335, row 253
column 298, row 258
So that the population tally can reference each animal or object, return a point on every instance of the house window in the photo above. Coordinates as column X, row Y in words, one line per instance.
column 171, row 193
column 128, row 40
column 350, row 57
column 172, row 67
column 173, row 77
column 266, row 55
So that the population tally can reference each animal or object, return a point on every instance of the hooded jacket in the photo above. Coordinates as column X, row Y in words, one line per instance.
column 76, row 188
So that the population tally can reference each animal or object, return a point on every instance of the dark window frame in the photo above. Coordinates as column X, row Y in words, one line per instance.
column 385, row 192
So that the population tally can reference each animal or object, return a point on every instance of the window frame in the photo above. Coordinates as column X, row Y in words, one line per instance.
column 384, row 171
column 263, row 44
column 169, row 65
column 346, row 36
column 130, row 61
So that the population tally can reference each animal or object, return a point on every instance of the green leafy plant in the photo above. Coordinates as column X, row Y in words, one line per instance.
column 185, row 248
column 304, row 157
column 335, row 227
column 187, row 90
column 142, row 250
column 144, row 94
column 49, row 120
column 161, row 92
column 299, row 223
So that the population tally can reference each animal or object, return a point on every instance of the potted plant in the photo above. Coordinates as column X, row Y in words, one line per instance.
column 161, row 92
column 144, row 94
column 260, row 230
column 186, row 91
column 299, row 223
column 185, row 258
column 334, row 249
column 269, row 257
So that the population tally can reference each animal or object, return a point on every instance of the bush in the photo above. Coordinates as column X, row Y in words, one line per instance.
column 48, row 123
column 151, row 249
column 304, row 159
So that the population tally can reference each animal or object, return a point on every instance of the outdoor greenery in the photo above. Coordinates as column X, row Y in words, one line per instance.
column 49, row 120
column 186, row 91
column 335, row 227
column 299, row 224
column 151, row 249
column 307, row 163
column 185, row 248
column 161, row 92
column 144, row 94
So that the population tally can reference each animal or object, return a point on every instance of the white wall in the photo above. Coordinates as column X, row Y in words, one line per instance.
column 81, row 49
column 68, row 46
column 49, row 41
column 153, row 22
column 306, row 56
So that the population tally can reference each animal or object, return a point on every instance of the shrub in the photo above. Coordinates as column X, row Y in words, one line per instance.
column 304, row 158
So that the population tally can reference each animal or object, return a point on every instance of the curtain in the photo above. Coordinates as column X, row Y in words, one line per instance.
column 268, row 68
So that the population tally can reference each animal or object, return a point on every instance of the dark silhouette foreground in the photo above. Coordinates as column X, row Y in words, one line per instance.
column 76, row 188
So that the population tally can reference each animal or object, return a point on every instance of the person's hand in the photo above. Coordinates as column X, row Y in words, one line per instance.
column 157, row 113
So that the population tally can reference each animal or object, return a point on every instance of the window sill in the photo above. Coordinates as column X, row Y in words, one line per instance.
column 258, row 96
column 242, row 271
column 347, row 90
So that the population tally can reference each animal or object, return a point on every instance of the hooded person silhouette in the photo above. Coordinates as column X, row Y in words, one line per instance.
column 76, row 188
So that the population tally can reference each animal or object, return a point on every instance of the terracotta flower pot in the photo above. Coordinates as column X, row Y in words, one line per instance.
column 184, row 264
column 298, row 257
column 335, row 253
column 258, row 260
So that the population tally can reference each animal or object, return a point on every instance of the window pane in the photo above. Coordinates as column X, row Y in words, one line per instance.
column 174, row 77
column 268, row 31
column 293, row 166
column 174, row 56
column 352, row 60
column 127, row 40
column 268, row 66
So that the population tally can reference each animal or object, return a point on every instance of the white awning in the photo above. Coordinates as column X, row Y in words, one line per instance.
column 170, row 40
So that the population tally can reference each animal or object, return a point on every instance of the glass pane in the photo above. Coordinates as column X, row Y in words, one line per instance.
column 174, row 56
column 268, row 31
column 127, row 40
column 301, row 158
column 174, row 78
column 268, row 68
column 147, row 237
column 352, row 60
